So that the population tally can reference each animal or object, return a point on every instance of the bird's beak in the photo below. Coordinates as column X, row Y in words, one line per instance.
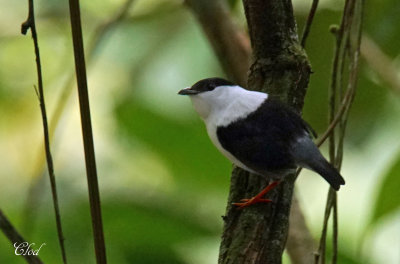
column 188, row 91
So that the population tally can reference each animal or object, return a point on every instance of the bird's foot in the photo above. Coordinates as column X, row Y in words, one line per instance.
column 258, row 198
column 248, row 202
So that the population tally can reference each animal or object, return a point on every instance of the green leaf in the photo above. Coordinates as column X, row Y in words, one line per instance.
column 388, row 199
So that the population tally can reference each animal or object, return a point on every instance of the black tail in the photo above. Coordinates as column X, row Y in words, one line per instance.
column 329, row 173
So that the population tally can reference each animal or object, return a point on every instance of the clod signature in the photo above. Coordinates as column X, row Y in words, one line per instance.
column 26, row 249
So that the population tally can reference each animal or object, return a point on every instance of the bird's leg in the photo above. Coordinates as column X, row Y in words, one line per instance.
column 258, row 198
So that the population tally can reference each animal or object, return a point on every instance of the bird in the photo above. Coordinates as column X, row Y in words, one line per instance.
column 258, row 133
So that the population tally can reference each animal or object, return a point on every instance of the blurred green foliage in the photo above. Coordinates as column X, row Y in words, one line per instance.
column 163, row 185
column 387, row 201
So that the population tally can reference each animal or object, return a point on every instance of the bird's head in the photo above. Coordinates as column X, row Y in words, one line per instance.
column 210, row 94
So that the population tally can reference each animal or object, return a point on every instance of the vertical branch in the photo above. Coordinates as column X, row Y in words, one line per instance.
column 335, row 229
column 61, row 102
column 309, row 21
column 331, row 201
column 94, row 194
column 224, row 37
column 280, row 67
column 347, row 44
column 322, row 243
column 14, row 237
column 30, row 24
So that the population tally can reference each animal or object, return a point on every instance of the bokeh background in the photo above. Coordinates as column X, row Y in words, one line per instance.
column 163, row 185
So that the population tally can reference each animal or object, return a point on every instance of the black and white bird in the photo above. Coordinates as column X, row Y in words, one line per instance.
column 258, row 133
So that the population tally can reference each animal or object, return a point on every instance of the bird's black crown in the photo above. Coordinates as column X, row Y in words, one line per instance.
column 209, row 84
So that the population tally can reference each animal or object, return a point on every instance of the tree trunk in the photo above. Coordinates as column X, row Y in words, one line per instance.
column 258, row 234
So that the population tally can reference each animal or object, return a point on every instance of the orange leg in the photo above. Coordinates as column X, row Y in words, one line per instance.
column 257, row 198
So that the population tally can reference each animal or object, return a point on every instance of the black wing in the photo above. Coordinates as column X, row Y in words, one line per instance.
column 263, row 140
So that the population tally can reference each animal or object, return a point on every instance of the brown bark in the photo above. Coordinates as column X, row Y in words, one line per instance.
column 30, row 24
column 300, row 244
column 214, row 18
column 87, row 133
column 258, row 234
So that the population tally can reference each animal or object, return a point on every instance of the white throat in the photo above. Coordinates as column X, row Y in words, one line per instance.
column 225, row 104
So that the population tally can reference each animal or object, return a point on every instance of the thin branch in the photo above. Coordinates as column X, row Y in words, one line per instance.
column 91, row 171
column 322, row 243
column 12, row 234
column 30, row 24
column 336, row 74
column 335, row 228
column 344, row 106
column 338, row 116
column 352, row 18
column 309, row 21
column 354, row 47
column 61, row 102
column 99, row 32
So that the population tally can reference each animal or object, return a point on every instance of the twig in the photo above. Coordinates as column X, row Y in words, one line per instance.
column 335, row 230
column 30, row 24
column 61, row 102
column 322, row 243
column 309, row 21
column 354, row 54
column 339, row 114
column 352, row 17
column 12, row 234
column 336, row 70
column 91, row 171
column 346, row 102
column 337, row 73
